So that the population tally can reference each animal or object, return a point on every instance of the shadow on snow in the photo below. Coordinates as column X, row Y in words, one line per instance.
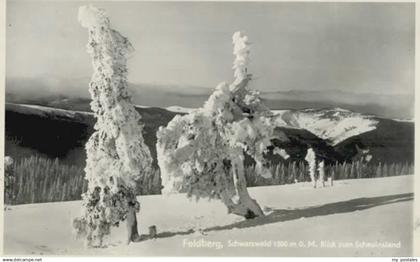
column 281, row 215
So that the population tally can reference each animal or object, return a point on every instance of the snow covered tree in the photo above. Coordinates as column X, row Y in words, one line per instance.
column 321, row 172
column 332, row 176
column 116, row 153
column 311, row 159
column 317, row 169
column 202, row 152
column 281, row 152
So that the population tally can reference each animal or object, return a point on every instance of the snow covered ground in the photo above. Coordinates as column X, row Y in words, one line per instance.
column 352, row 213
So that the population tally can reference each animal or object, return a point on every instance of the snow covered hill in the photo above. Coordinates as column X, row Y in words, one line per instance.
column 49, row 112
column 359, row 215
column 46, row 130
column 334, row 125
column 179, row 109
column 63, row 133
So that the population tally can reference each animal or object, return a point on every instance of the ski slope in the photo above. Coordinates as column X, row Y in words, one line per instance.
column 370, row 210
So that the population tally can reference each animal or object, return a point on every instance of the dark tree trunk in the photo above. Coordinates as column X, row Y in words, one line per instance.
column 132, row 231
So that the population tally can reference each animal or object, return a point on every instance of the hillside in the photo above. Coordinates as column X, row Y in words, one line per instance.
column 391, row 141
column 63, row 133
column 333, row 125
column 383, row 105
column 364, row 210
column 54, row 132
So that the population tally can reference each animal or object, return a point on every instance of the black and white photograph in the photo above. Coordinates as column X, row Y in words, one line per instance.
column 209, row 129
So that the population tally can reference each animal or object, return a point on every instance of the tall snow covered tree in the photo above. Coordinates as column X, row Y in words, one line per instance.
column 321, row 172
column 311, row 159
column 314, row 166
column 202, row 152
column 116, row 152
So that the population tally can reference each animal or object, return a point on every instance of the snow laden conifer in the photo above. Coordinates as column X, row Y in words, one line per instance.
column 321, row 172
column 202, row 152
column 311, row 159
column 116, row 152
column 316, row 165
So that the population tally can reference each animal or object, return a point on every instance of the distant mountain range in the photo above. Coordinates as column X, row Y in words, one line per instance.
column 335, row 133
column 56, row 92
column 400, row 106
column 333, row 125
column 51, row 118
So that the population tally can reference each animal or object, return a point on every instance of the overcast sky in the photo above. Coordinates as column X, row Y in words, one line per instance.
column 360, row 47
